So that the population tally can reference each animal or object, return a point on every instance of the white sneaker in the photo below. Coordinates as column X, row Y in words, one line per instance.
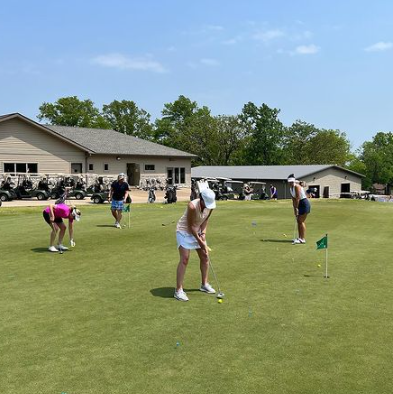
column 62, row 247
column 118, row 225
column 207, row 289
column 52, row 249
column 180, row 295
column 298, row 241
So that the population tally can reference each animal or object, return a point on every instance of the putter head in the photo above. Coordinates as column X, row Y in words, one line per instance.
column 220, row 295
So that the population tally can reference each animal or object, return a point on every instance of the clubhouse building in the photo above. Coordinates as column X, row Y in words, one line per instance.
column 27, row 146
column 327, row 180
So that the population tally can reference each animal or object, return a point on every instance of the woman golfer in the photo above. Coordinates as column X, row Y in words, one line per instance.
column 301, row 208
column 191, row 234
column 54, row 215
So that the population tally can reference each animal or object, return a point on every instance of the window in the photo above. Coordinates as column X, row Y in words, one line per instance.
column 91, row 167
column 32, row 168
column 176, row 175
column 150, row 167
column 106, row 167
column 76, row 168
column 182, row 175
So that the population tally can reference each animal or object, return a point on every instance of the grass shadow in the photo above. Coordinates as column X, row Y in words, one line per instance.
column 277, row 240
column 105, row 225
column 167, row 292
column 40, row 250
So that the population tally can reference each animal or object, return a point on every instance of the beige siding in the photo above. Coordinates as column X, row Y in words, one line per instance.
column 118, row 166
column 21, row 142
column 334, row 178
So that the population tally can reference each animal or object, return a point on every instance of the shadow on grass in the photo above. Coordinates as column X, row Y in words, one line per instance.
column 167, row 292
column 105, row 225
column 45, row 250
column 277, row 240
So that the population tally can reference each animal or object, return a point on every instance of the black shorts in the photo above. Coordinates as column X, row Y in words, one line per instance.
column 47, row 218
column 304, row 206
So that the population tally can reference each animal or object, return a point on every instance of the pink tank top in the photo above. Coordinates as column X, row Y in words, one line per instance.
column 201, row 216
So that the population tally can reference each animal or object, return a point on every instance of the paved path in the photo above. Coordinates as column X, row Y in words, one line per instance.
column 138, row 196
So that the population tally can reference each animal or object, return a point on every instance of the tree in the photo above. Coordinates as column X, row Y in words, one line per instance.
column 377, row 156
column 176, row 117
column 265, row 131
column 328, row 147
column 296, row 139
column 125, row 117
column 70, row 111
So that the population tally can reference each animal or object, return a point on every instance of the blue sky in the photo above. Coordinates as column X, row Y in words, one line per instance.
column 324, row 62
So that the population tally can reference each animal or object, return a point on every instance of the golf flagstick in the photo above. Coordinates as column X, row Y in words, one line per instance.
column 326, row 261
column 294, row 229
column 129, row 216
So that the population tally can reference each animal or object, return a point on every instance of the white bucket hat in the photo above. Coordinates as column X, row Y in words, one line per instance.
column 209, row 197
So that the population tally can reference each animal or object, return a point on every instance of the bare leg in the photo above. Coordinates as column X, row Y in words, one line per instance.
column 204, row 265
column 119, row 216
column 53, row 234
column 114, row 214
column 301, row 220
column 63, row 229
column 181, row 268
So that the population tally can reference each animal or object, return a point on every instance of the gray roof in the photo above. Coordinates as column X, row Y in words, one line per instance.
column 262, row 172
column 111, row 142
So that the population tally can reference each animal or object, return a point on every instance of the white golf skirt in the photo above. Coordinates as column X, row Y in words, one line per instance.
column 187, row 241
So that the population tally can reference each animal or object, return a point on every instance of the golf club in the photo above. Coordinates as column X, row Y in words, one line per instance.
column 220, row 294
column 294, row 229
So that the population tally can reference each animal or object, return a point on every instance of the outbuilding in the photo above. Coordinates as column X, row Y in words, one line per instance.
column 328, row 181
column 27, row 146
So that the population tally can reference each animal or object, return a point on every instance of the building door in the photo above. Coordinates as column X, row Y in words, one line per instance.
column 326, row 192
column 315, row 191
column 345, row 190
column 76, row 168
column 169, row 173
column 133, row 174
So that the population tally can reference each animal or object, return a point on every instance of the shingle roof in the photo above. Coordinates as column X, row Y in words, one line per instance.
column 111, row 142
column 261, row 172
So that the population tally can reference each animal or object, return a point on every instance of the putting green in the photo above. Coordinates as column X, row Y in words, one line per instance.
column 100, row 318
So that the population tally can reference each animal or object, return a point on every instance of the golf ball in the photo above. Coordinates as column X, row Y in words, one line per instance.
column 219, row 301
column 285, row 235
column 319, row 265
column 61, row 252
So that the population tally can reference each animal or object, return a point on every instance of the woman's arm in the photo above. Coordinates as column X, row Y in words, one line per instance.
column 51, row 213
column 193, row 227
column 295, row 200
column 71, row 229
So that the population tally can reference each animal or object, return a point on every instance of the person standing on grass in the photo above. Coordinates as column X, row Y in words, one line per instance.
column 191, row 235
column 117, row 197
column 54, row 215
column 273, row 192
column 301, row 208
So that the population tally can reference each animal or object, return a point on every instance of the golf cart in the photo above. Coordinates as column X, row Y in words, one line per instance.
column 99, row 190
column 79, row 189
column 28, row 187
column 7, row 190
column 259, row 190
column 236, row 188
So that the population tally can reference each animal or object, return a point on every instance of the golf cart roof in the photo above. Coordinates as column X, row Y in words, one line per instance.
column 257, row 183
column 232, row 181
column 221, row 178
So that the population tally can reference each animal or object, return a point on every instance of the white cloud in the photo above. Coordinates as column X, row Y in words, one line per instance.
column 379, row 47
column 122, row 62
column 268, row 35
column 306, row 50
column 210, row 62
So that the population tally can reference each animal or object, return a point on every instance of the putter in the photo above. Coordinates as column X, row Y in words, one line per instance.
column 294, row 229
column 220, row 293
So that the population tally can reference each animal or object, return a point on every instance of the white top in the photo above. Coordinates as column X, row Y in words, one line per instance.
column 302, row 193
column 201, row 216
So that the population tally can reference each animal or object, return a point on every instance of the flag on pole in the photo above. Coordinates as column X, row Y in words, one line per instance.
column 127, row 208
column 322, row 243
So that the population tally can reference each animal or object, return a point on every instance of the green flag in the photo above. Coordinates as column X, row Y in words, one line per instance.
column 322, row 243
column 126, row 208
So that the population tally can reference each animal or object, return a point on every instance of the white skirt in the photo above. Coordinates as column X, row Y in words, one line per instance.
column 187, row 241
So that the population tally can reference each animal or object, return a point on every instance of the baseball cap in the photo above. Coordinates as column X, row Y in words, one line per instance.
column 121, row 176
column 76, row 213
column 209, row 197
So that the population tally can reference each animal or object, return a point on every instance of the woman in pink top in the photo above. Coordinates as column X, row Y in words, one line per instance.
column 191, row 234
column 54, row 215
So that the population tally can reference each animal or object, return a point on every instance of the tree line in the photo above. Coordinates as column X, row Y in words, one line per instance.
column 255, row 136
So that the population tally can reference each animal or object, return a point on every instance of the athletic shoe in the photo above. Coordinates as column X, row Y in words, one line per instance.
column 52, row 249
column 118, row 225
column 296, row 241
column 62, row 247
column 181, row 295
column 302, row 241
column 207, row 289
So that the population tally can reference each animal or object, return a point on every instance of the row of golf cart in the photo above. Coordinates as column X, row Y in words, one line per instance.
column 46, row 186
column 229, row 189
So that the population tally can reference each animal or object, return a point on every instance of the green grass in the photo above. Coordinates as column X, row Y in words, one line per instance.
column 101, row 317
